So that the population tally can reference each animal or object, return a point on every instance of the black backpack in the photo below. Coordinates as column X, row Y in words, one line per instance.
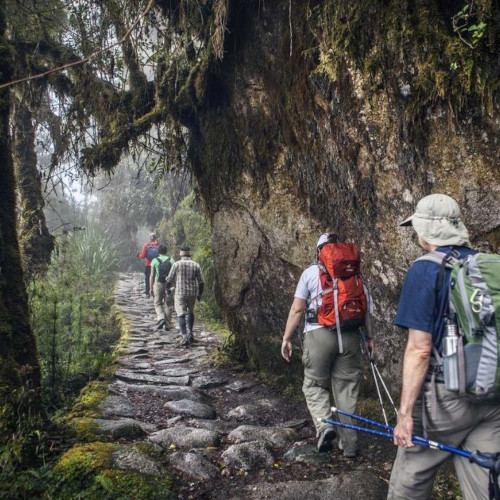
column 164, row 269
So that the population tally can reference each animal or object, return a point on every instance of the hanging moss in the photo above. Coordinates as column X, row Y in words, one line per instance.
column 416, row 41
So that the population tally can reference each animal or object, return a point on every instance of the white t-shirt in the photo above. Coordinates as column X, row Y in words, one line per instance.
column 309, row 289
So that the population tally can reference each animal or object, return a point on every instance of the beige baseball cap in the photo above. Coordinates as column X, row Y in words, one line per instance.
column 437, row 221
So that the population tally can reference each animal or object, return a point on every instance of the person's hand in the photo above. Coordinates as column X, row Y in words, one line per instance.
column 371, row 348
column 286, row 350
column 403, row 431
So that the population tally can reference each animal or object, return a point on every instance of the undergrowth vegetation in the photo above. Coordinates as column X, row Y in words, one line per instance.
column 75, row 331
column 70, row 310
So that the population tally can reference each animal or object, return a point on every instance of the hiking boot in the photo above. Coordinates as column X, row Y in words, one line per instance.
column 325, row 440
column 184, row 342
column 162, row 323
column 349, row 454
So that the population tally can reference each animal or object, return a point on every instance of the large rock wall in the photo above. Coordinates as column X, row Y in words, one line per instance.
column 296, row 138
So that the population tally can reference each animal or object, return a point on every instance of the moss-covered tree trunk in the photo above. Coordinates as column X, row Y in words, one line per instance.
column 19, row 368
column 35, row 240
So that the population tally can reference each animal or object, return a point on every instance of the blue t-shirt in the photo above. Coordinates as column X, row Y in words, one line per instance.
column 421, row 307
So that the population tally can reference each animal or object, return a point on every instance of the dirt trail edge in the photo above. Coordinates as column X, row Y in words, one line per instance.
column 221, row 435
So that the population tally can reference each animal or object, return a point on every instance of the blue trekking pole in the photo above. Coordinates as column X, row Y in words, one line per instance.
column 420, row 441
column 489, row 461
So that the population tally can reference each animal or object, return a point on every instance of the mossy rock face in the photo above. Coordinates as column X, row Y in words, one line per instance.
column 342, row 126
column 87, row 472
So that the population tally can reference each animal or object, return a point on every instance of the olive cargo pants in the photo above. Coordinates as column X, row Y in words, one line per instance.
column 162, row 309
column 459, row 423
column 325, row 370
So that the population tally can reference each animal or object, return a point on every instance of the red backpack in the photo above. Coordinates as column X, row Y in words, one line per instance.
column 343, row 298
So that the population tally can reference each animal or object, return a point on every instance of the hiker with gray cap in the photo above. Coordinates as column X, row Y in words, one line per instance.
column 427, row 407
column 187, row 278
column 332, row 360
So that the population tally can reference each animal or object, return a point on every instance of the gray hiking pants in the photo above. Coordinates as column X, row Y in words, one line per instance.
column 325, row 370
column 184, row 308
column 459, row 423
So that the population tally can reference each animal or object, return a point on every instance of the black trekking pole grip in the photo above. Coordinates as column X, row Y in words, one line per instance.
column 369, row 354
column 490, row 461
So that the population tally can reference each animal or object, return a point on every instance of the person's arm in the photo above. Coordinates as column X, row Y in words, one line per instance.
column 142, row 254
column 200, row 290
column 415, row 366
column 298, row 307
column 171, row 276
column 201, row 283
column 368, row 324
column 152, row 279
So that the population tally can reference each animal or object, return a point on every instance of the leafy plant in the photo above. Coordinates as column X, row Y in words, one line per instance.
column 470, row 30
column 92, row 251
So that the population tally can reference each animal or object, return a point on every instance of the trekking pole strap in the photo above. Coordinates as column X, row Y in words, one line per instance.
column 493, row 489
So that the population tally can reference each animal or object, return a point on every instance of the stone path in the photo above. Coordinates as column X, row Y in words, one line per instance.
column 221, row 434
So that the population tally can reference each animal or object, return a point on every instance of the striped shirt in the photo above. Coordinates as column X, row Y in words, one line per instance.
column 185, row 276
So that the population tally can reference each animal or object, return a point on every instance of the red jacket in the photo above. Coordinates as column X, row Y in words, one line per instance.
column 142, row 253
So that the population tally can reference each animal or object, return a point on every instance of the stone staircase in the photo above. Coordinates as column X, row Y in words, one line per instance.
column 221, row 434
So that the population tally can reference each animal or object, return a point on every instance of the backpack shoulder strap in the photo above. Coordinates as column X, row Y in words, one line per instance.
column 444, row 260
column 434, row 256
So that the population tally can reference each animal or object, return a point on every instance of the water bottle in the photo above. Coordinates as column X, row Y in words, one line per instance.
column 450, row 354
